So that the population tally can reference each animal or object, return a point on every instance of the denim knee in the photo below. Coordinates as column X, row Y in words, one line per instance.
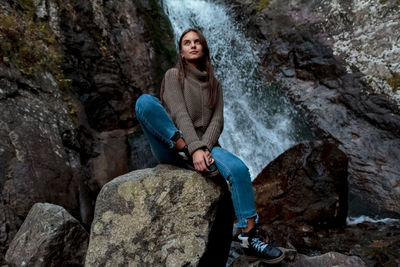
column 239, row 172
column 144, row 105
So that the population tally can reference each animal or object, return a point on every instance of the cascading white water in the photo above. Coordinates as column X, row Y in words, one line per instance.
column 259, row 122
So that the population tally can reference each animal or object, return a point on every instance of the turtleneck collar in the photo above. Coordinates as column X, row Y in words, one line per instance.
column 196, row 73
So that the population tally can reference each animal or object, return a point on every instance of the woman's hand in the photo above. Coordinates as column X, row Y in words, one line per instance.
column 202, row 159
column 209, row 157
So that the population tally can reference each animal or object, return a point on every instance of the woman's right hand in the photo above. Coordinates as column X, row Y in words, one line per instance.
column 201, row 160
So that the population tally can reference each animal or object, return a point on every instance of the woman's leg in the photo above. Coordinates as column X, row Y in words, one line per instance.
column 238, row 176
column 157, row 127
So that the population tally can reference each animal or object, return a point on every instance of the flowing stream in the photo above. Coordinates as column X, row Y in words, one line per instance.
column 259, row 123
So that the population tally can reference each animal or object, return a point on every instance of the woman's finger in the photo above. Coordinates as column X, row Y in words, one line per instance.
column 209, row 159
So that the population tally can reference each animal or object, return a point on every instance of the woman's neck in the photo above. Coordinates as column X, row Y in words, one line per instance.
column 193, row 64
column 194, row 71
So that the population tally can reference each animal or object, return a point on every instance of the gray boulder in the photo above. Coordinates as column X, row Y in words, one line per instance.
column 165, row 216
column 49, row 236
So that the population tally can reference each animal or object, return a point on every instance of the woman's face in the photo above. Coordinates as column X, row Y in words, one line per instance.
column 191, row 48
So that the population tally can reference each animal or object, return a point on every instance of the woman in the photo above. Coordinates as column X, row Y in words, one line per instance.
column 190, row 120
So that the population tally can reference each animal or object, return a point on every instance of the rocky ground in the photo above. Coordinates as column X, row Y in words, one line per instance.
column 167, row 216
column 70, row 74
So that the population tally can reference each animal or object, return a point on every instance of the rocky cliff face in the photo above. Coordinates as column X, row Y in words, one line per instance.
column 70, row 73
column 338, row 62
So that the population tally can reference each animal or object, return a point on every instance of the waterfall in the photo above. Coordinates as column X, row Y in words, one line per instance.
column 259, row 122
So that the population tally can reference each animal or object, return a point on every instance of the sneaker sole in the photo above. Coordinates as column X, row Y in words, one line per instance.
column 271, row 261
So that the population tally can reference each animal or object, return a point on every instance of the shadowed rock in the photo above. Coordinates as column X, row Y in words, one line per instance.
column 165, row 216
column 49, row 236
column 306, row 185
column 35, row 164
column 70, row 74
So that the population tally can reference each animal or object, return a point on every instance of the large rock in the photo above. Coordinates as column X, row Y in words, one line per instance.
column 115, row 51
column 306, row 185
column 302, row 202
column 49, row 236
column 165, row 216
column 314, row 50
column 35, row 166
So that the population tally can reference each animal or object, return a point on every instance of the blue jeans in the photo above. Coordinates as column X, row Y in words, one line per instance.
column 159, row 129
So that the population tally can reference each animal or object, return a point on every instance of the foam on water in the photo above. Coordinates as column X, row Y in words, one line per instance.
column 363, row 218
column 259, row 120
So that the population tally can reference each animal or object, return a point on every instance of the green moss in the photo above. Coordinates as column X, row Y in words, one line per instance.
column 27, row 6
column 262, row 4
column 30, row 44
column 101, row 41
column 394, row 81
column 383, row 2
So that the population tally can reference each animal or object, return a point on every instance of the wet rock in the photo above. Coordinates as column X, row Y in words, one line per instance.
column 305, row 186
column 49, row 236
column 375, row 243
column 165, row 216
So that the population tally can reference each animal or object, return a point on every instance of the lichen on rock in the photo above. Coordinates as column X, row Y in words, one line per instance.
column 159, row 217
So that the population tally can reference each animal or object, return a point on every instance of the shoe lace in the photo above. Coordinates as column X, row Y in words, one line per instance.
column 258, row 244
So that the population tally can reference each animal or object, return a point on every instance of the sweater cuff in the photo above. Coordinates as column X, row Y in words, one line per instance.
column 209, row 146
column 192, row 147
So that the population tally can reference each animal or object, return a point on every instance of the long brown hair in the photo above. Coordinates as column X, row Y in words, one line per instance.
column 204, row 65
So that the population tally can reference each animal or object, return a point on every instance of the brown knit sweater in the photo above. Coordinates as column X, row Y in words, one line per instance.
column 200, row 125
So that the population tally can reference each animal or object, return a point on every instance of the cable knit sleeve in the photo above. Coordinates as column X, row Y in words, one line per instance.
column 216, row 125
column 175, row 104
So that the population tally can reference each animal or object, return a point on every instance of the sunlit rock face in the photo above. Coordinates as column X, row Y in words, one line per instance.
column 163, row 216
column 338, row 62
column 362, row 33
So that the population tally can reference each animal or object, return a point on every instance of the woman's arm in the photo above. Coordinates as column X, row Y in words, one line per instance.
column 175, row 103
column 216, row 124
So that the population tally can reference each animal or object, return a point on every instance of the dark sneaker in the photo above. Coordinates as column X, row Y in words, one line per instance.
column 256, row 249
